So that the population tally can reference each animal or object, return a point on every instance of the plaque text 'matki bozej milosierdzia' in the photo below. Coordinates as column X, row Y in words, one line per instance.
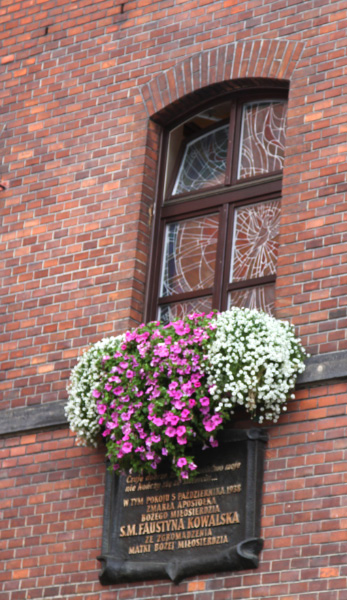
column 156, row 526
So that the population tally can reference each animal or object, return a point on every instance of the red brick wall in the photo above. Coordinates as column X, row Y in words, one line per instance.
column 78, row 156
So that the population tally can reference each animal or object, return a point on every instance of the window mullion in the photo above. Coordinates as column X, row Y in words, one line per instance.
column 246, row 283
column 237, row 108
column 220, row 258
column 227, row 257
column 157, row 252
column 231, row 145
column 185, row 296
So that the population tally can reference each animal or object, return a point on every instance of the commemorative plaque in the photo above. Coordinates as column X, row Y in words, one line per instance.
column 158, row 527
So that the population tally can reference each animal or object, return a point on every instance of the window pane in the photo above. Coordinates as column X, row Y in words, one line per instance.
column 260, row 297
column 203, row 163
column 262, row 138
column 255, row 241
column 178, row 310
column 190, row 255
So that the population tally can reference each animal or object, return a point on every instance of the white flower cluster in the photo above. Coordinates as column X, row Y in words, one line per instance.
column 81, row 407
column 253, row 362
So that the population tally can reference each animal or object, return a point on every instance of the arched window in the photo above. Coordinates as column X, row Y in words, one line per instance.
column 216, row 235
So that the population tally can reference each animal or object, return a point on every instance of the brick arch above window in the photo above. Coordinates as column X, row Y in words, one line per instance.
column 218, row 71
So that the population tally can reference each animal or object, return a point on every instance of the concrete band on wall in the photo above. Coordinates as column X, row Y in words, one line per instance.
column 326, row 368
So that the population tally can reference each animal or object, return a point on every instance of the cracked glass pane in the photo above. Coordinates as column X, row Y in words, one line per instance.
column 262, row 138
column 204, row 162
column 255, row 241
column 190, row 255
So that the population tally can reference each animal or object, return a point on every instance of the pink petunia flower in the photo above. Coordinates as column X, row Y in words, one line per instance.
column 161, row 350
column 118, row 391
column 127, row 447
column 185, row 414
column 187, row 388
column 130, row 336
column 217, row 420
column 126, row 417
column 204, row 401
column 170, row 431
column 181, row 328
column 179, row 404
column 171, row 419
column 208, row 424
column 181, row 430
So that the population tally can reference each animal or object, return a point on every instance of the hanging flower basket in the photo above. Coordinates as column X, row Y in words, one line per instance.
column 159, row 391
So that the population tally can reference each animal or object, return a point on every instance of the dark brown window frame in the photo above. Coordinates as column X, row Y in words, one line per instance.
column 225, row 199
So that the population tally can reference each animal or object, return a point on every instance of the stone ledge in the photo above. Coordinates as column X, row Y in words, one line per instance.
column 325, row 368
column 40, row 416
